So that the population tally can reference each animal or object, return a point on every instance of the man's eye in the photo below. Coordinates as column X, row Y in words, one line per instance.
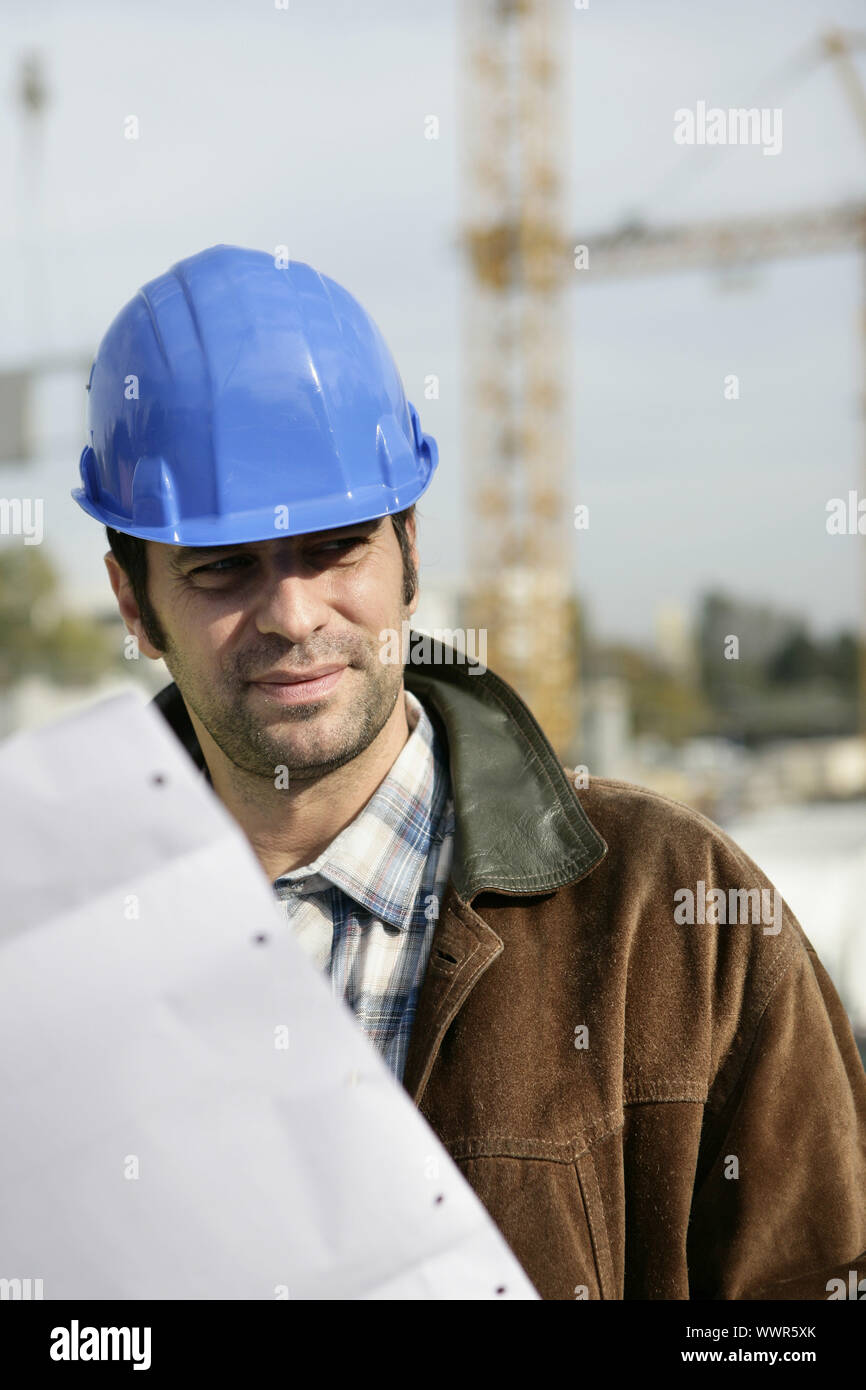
column 214, row 568
column 346, row 543
column 337, row 547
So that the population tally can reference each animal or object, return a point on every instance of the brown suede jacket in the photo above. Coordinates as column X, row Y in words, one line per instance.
column 648, row 1108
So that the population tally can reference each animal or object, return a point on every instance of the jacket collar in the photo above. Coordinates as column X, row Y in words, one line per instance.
column 520, row 829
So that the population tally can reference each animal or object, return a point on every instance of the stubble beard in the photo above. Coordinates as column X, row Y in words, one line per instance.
column 262, row 742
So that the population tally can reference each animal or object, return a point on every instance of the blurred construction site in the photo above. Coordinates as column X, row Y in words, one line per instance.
column 731, row 673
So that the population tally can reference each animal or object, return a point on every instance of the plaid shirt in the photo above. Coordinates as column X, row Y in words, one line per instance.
column 366, row 909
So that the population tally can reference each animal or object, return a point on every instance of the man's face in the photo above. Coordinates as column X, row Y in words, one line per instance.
column 239, row 617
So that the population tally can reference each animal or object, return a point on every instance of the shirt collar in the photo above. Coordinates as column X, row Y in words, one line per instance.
column 379, row 858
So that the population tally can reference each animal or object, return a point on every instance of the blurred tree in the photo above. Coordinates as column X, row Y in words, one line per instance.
column 662, row 702
column 36, row 636
column 840, row 661
column 798, row 659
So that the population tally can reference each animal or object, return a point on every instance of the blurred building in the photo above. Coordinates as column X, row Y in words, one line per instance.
column 675, row 641
column 762, row 631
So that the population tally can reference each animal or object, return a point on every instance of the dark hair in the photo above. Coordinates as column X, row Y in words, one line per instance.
column 130, row 552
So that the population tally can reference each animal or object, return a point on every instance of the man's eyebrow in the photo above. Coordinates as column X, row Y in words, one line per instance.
column 195, row 552
column 192, row 552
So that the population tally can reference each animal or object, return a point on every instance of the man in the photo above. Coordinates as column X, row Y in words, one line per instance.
column 598, row 1001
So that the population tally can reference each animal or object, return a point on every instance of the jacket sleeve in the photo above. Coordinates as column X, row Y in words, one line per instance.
column 779, row 1203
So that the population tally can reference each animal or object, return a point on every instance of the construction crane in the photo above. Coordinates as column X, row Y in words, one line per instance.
column 516, row 428
column 638, row 248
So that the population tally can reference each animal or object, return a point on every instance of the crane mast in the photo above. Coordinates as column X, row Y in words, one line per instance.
column 516, row 401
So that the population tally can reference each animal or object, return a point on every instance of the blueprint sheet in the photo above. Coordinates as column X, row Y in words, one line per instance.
column 186, row 1112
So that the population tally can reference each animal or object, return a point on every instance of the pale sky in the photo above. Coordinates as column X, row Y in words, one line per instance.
column 305, row 127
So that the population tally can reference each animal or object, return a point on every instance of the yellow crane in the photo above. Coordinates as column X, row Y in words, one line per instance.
column 516, row 428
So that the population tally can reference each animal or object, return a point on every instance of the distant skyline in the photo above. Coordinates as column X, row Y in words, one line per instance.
column 306, row 127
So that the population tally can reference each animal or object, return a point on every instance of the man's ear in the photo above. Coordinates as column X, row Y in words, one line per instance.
column 127, row 605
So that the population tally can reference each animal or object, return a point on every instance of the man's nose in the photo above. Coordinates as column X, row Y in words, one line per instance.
column 291, row 605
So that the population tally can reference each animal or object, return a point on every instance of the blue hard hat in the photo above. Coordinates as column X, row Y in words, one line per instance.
column 239, row 399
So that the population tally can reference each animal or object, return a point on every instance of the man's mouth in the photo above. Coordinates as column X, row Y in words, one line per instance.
column 295, row 687
column 311, row 673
